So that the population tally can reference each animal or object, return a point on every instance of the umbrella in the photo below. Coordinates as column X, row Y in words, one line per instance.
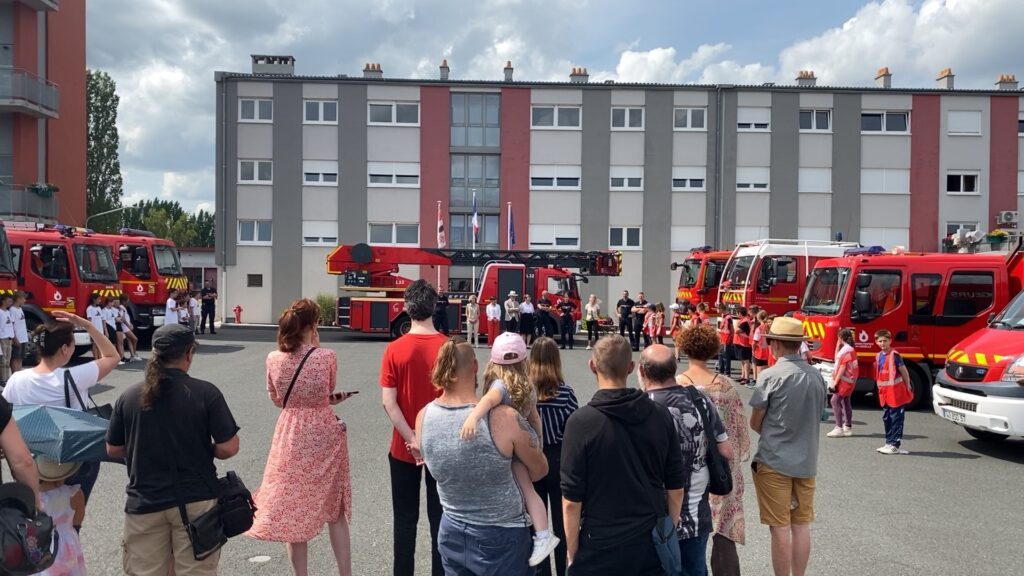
column 63, row 434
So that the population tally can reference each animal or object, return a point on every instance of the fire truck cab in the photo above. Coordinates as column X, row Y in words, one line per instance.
column 773, row 273
column 699, row 276
column 927, row 301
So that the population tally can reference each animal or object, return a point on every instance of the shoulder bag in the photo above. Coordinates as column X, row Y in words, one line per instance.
column 720, row 477
column 105, row 411
column 296, row 376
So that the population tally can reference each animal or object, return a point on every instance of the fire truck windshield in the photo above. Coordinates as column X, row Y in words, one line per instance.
column 1012, row 317
column 688, row 275
column 736, row 271
column 713, row 273
column 825, row 289
column 6, row 264
column 166, row 258
column 94, row 263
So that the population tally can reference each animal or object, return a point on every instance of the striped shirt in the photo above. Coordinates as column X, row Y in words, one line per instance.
column 555, row 411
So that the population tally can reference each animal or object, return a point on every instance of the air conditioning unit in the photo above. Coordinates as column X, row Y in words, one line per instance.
column 1007, row 217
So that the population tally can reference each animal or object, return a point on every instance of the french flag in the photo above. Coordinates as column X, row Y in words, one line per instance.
column 476, row 220
column 440, row 228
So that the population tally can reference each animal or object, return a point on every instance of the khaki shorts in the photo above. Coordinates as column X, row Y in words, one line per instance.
column 783, row 500
column 154, row 542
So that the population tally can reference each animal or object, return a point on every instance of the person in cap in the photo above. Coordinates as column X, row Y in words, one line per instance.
column 786, row 407
column 512, row 312
column 65, row 504
column 493, row 312
column 169, row 428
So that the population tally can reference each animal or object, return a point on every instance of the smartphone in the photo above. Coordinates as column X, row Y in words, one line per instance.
column 340, row 395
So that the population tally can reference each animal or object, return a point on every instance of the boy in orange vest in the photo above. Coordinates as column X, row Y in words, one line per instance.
column 894, row 392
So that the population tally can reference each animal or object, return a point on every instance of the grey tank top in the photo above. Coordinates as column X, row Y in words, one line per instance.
column 474, row 479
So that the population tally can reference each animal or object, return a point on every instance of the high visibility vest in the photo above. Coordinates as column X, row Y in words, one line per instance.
column 725, row 329
column 847, row 371
column 892, row 390
column 761, row 350
column 741, row 338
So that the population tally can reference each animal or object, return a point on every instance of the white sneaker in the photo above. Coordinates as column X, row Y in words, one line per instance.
column 542, row 548
column 888, row 450
column 847, row 431
column 836, row 432
column 902, row 452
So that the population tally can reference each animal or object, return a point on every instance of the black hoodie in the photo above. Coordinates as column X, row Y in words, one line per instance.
column 599, row 468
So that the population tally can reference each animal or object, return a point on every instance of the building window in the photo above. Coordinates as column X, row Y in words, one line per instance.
column 896, row 122
column 962, row 183
column 319, row 233
column 462, row 230
column 254, row 280
column 319, row 173
column 689, row 119
column 753, row 119
column 626, row 178
column 255, row 110
column 471, row 173
column 475, row 120
column 953, row 227
column 624, row 238
column 816, row 120
column 555, row 177
column 393, row 174
column 320, row 112
column 1020, row 124
column 627, row 118
column 255, row 172
column 689, row 178
column 393, row 114
column 963, row 123
column 884, row 181
column 752, row 178
column 814, row 180
column 555, row 236
column 1020, row 183
column 555, row 117
column 394, row 234
column 255, row 232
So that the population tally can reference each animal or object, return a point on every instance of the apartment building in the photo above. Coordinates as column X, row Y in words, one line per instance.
column 654, row 170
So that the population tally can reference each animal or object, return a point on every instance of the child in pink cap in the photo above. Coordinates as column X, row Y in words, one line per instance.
column 506, row 382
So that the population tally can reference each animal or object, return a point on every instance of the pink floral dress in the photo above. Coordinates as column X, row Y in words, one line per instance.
column 306, row 481
column 727, row 511
column 70, row 560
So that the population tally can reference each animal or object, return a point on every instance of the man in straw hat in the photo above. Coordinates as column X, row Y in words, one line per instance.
column 786, row 408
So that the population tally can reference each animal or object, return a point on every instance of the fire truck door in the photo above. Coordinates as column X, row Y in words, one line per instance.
column 510, row 279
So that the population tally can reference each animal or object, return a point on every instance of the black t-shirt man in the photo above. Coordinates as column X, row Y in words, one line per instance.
column 208, row 296
column 625, row 306
column 565, row 308
column 640, row 308
column 180, row 430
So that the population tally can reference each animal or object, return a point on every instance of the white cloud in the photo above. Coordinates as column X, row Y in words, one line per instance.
column 660, row 65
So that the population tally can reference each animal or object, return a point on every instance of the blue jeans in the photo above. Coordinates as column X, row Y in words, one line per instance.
column 725, row 359
column 472, row 550
column 892, row 418
column 693, row 553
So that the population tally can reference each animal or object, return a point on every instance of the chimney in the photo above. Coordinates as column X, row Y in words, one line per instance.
column 372, row 70
column 579, row 76
column 508, row 71
column 883, row 78
column 1007, row 82
column 945, row 79
column 806, row 79
column 264, row 64
column 444, row 69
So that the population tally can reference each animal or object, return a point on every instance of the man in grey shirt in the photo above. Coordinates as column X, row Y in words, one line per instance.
column 786, row 407
column 484, row 528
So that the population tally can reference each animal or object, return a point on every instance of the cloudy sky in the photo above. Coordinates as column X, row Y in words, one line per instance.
column 162, row 53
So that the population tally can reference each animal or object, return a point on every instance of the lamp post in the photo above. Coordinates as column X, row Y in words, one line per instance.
column 108, row 212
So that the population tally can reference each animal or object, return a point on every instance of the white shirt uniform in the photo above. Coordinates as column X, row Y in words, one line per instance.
column 170, row 314
column 20, row 327
column 95, row 315
column 6, row 324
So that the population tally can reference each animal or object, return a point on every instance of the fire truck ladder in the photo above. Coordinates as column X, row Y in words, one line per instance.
column 765, row 246
column 593, row 263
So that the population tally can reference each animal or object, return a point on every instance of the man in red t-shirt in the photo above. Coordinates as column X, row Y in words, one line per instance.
column 406, row 389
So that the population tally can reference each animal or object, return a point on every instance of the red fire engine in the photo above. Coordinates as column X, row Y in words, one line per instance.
column 8, row 276
column 148, row 268
column 928, row 302
column 372, row 300
column 699, row 277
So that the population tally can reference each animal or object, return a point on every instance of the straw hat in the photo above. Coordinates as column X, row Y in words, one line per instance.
column 513, row 293
column 786, row 328
column 53, row 471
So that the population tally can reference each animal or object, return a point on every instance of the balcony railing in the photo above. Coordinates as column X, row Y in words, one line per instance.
column 27, row 203
column 21, row 91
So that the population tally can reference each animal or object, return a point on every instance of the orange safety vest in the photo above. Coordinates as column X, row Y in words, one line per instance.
column 761, row 349
column 741, row 338
column 725, row 329
column 892, row 390
column 847, row 370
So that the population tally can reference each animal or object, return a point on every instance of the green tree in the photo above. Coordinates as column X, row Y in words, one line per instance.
column 103, row 167
column 205, row 227
column 180, row 229
column 161, row 217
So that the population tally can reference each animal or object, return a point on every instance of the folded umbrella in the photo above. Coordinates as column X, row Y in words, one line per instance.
column 62, row 434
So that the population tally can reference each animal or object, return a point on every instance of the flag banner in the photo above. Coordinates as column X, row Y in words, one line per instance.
column 440, row 228
column 476, row 220
column 511, row 229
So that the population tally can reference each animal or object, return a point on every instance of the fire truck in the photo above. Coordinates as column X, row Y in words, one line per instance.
column 372, row 289
column 772, row 273
column 927, row 301
column 699, row 277
column 148, row 268
column 59, row 268
column 8, row 276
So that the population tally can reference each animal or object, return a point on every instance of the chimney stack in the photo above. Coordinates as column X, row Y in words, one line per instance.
column 883, row 78
column 806, row 79
column 579, row 76
column 444, row 69
column 508, row 71
column 263, row 64
column 945, row 79
column 372, row 70
column 1007, row 82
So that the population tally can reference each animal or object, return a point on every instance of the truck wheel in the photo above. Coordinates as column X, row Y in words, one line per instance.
column 401, row 326
column 986, row 436
column 921, row 384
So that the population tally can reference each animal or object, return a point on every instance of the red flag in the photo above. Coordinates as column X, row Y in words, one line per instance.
column 440, row 228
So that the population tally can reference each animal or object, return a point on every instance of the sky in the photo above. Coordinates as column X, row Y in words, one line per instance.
column 162, row 53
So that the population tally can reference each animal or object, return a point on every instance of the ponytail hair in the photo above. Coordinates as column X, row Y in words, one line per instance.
column 846, row 335
column 452, row 358
column 294, row 322
column 156, row 370
column 51, row 337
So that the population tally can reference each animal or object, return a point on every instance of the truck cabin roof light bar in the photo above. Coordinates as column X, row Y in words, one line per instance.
column 865, row 251
column 136, row 232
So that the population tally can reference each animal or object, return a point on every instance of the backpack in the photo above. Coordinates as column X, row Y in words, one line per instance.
column 28, row 540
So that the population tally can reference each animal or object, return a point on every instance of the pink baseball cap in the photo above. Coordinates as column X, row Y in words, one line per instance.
column 509, row 348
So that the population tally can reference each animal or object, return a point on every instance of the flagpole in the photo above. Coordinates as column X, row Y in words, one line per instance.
column 508, row 231
column 439, row 267
column 473, row 228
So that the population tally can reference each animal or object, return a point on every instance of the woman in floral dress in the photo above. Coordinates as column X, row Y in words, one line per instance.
column 306, row 481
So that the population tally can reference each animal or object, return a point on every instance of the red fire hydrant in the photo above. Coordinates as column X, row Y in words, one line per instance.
column 238, row 313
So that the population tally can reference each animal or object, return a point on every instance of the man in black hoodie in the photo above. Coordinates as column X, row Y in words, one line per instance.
column 621, row 470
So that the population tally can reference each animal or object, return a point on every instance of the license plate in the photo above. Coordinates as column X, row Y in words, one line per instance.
column 954, row 416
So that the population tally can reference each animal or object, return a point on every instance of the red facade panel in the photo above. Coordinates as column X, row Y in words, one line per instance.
column 924, row 173
column 1003, row 146
column 66, row 136
column 435, row 165
column 515, row 166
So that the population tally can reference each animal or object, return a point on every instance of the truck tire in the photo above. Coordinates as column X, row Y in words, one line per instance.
column 986, row 436
column 921, row 384
column 400, row 326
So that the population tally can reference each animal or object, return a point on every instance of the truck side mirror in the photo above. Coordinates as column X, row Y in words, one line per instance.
column 863, row 281
column 862, row 303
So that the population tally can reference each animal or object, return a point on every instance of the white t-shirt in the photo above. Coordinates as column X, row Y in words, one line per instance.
column 183, row 314
column 95, row 315
column 20, row 327
column 6, row 324
column 30, row 387
column 194, row 305
column 110, row 316
column 169, row 311
column 125, row 318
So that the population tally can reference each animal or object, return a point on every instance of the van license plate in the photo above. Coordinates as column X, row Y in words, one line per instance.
column 954, row 416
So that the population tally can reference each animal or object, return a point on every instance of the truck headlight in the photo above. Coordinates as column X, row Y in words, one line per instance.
column 1014, row 370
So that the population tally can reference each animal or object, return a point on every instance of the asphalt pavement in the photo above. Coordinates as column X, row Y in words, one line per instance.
column 953, row 506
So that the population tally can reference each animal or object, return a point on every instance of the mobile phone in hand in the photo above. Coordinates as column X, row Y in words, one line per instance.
column 343, row 395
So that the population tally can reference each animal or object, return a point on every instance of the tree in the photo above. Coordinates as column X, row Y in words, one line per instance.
column 205, row 227
column 103, row 167
column 180, row 229
column 167, row 219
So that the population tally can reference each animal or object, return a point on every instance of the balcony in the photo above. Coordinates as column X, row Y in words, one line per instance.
column 27, row 93
column 31, row 203
column 42, row 5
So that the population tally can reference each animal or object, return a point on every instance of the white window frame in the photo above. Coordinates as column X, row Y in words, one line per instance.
column 628, row 176
column 626, row 111
column 319, row 232
column 969, row 226
column 689, row 119
column 256, row 111
column 746, row 181
column 547, row 236
column 256, row 172
column 394, row 233
column 255, row 232
column 323, row 171
column 894, row 181
column 962, row 174
column 814, row 129
column 554, row 110
column 554, row 172
column 748, row 119
column 393, row 170
column 394, row 113
column 1020, row 183
column 950, row 122
column 320, row 111
column 885, row 115
column 694, row 177
column 807, row 177
column 625, row 241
